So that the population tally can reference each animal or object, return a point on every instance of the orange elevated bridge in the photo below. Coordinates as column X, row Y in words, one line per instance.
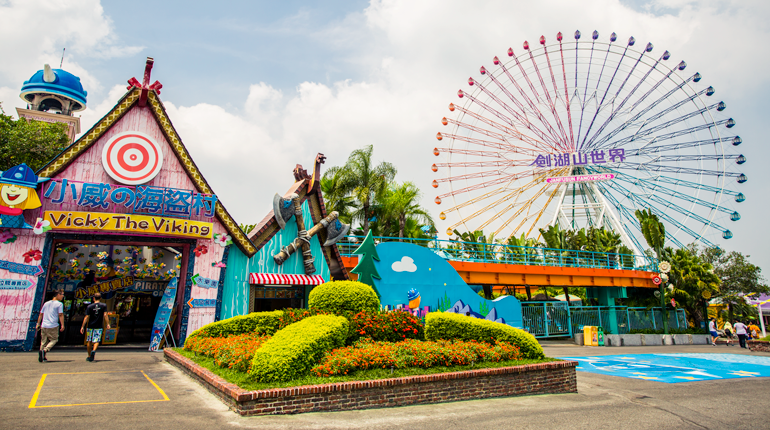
column 516, row 268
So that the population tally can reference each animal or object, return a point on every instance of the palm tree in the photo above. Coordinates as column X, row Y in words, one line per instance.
column 655, row 234
column 691, row 276
column 365, row 181
column 400, row 202
column 336, row 191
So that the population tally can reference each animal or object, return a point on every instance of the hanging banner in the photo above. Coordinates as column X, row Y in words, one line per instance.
column 128, row 223
column 22, row 269
column 164, row 314
column 14, row 284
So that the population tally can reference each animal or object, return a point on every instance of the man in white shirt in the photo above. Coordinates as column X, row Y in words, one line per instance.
column 50, row 319
column 740, row 330
column 713, row 331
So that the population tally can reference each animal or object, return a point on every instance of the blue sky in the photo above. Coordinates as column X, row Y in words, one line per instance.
column 257, row 87
column 224, row 50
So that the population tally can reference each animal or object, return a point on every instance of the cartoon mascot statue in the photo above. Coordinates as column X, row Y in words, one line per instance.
column 17, row 193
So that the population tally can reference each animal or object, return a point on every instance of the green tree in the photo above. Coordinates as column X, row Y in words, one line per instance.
column 402, row 201
column 691, row 277
column 739, row 277
column 336, row 192
column 366, row 181
column 655, row 234
column 28, row 141
column 365, row 268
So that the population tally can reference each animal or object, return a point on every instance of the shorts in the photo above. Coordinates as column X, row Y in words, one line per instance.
column 94, row 335
column 714, row 334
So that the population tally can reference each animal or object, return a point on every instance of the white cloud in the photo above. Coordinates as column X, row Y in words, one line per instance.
column 405, row 265
column 34, row 33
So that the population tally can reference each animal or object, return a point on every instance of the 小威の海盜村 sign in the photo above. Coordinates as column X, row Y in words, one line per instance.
column 145, row 200
column 129, row 223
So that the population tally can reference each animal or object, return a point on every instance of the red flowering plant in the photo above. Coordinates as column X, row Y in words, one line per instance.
column 234, row 352
column 368, row 354
column 393, row 326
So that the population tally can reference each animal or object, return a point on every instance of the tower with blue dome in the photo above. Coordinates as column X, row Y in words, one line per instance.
column 54, row 95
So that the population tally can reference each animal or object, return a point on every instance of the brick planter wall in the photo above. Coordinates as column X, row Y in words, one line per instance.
column 543, row 378
column 758, row 345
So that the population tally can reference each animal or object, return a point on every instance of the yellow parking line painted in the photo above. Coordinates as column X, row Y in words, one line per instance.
column 84, row 373
column 33, row 402
column 102, row 403
column 37, row 392
column 165, row 397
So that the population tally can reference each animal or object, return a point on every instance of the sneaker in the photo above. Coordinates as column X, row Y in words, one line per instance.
column 89, row 358
column 93, row 355
column 40, row 356
column 713, row 344
column 45, row 355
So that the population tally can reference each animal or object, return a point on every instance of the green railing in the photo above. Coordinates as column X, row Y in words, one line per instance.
column 623, row 320
column 509, row 254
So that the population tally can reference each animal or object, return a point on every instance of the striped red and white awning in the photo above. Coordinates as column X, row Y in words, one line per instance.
column 278, row 279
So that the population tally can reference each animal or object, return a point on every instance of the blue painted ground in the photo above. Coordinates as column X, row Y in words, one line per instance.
column 673, row 368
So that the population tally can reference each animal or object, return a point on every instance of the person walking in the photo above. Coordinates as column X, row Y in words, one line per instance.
column 728, row 329
column 96, row 319
column 713, row 331
column 740, row 330
column 50, row 322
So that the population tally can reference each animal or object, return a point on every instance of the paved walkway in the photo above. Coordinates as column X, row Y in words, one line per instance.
column 128, row 389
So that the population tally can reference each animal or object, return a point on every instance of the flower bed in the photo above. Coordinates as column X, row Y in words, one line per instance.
column 234, row 352
column 368, row 354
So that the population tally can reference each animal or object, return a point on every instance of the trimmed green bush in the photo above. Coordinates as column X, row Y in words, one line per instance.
column 444, row 325
column 255, row 322
column 294, row 350
column 343, row 297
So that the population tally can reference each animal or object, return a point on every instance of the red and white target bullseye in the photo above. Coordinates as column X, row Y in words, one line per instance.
column 132, row 158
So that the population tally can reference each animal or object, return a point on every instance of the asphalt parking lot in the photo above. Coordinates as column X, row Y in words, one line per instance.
column 132, row 389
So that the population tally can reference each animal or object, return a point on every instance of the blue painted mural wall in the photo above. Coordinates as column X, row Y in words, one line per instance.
column 235, row 297
column 404, row 266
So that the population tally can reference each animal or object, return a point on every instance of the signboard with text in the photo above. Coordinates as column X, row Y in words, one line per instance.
column 164, row 314
column 128, row 223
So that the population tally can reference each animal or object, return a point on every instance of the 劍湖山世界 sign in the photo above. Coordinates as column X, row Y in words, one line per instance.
column 129, row 223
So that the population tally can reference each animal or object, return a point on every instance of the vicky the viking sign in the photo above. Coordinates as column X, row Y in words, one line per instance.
column 128, row 223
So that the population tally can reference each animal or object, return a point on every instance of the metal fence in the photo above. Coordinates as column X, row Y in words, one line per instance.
column 623, row 320
column 556, row 319
column 509, row 254
column 546, row 319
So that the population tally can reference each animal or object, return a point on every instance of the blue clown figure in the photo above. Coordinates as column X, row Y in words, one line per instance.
column 17, row 193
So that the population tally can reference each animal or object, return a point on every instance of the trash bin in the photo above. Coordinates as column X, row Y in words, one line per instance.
column 600, row 336
column 594, row 336
column 587, row 335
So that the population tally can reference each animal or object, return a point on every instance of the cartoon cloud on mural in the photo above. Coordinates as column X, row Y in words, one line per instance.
column 408, row 272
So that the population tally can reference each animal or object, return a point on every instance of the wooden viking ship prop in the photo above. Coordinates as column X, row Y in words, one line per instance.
column 284, row 209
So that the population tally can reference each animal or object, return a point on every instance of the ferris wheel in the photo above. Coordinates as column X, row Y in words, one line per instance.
column 583, row 133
